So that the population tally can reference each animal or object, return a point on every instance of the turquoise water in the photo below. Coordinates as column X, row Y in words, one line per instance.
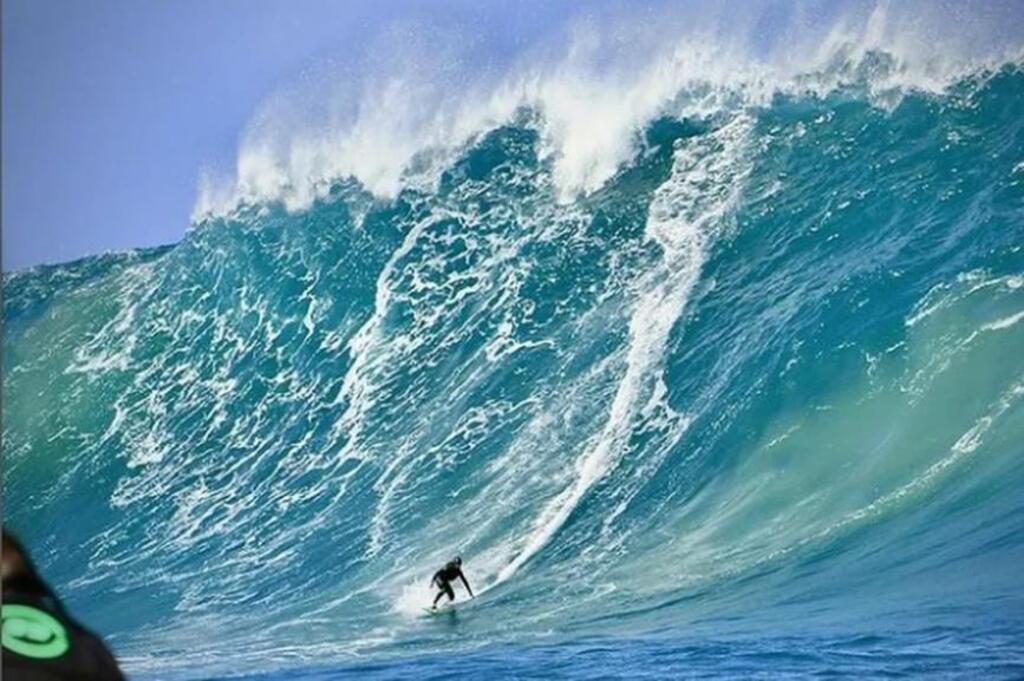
column 753, row 406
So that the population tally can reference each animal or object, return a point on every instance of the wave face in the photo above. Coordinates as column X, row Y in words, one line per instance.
column 767, row 375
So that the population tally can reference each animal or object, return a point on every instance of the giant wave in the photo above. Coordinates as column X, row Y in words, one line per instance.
column 747, row 357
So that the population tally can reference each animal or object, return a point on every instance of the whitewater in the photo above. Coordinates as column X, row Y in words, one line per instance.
column 707, row 358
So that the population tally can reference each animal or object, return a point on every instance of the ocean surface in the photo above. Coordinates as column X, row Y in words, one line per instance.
column 742, row 398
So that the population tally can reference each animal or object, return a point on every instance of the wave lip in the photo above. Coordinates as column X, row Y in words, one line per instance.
column 593, row 85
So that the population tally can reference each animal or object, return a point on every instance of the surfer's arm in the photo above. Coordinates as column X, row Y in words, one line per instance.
column 463, row 578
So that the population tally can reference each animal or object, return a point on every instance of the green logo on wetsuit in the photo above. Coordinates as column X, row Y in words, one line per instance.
column 33, row 633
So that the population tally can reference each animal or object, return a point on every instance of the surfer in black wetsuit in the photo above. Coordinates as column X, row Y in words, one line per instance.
column 41, row 642
column 444, row 577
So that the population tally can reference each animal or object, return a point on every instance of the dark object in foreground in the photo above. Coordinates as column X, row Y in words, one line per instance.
column 41, row 642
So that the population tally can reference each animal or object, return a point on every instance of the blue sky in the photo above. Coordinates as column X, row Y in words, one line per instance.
column 112, row 107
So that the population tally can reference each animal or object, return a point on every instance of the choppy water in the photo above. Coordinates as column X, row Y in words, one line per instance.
column 752, row 405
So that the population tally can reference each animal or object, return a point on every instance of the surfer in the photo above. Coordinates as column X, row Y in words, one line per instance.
column 41, row 641
column 443, row 579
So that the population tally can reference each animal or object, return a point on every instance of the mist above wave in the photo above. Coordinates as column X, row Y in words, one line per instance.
column 420, row 93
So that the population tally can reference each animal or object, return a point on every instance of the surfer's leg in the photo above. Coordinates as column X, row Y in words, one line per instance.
column 446, row 589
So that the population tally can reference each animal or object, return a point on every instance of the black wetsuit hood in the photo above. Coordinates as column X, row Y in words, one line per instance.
column 86, row 657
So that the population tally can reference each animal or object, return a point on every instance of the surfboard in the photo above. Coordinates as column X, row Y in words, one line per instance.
column 439, row 611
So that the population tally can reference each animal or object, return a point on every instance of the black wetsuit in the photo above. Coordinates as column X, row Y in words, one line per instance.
column 444, row 577
column 41, row 642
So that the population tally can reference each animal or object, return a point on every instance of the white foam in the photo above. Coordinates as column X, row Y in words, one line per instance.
column 398, row 118
column 689, row 209
column 1004, row 323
